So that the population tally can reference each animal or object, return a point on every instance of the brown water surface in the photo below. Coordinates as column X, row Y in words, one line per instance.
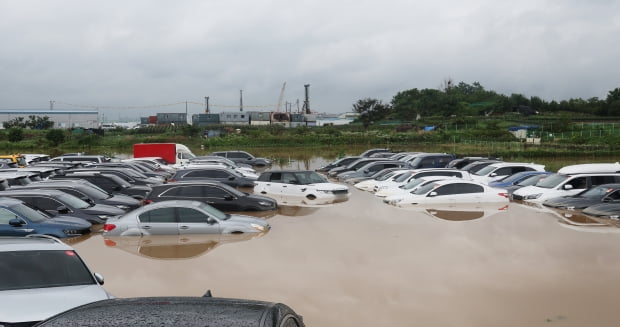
column 364, row 263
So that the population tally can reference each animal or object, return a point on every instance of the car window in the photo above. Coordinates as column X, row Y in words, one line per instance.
column 289, row 178
column 189, row 215
column 38, row 269
column 579, row 182
column 160, row 215
column 613, row 196
column 45, row 203
column 6, row 216
column 190, row 191
column 465, row 188
column 207, row 174
column 214, row 192
column 276, row 177
column 598, row 180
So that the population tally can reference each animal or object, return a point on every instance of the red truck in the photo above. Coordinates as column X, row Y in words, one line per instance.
column 172, row 153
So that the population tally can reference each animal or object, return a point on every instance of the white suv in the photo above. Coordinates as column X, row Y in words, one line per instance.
column 569, row 180
column 41, row 277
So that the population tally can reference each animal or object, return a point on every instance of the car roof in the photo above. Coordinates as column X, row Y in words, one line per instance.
column 31, row 242
column 186, row 311
column 35, row 191
column 590, row 168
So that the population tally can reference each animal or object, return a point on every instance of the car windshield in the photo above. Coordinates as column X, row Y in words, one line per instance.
column 414, row 183
column 33, row 215
column 425, row 189
column 552, row 181
column 597, row 192
column 214, row 212
column 512, row 178
column 310, row 177
column 386, row 176
column 485, row 171
column 73, row 201
column 403, row 177
column 532, row 180
column 39, row 269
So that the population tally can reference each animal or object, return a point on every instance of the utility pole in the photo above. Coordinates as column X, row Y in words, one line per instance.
column 52, row 105
column 307, row 101
column 240, row 100
column 206, row 105
column 186, row 113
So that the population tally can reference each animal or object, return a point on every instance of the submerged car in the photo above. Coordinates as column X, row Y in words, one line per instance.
column 453, row 191
column 606, row 193
column 181, row 217
column 604, row 210
column 41, row 277
column 243, row 157
column 301, row 186
column 216, row 194
column 179, row 311
column 20, row 219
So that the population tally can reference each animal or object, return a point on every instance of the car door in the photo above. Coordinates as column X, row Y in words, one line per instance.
column 219, row 198
column 158, row 221
column 193, row 221
column 7, row 230
column 291, row 186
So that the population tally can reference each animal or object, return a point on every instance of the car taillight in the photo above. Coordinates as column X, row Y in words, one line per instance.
column 144, row 202
column 109, row 242
column 108, row 227
column 503, row 194
column 172, row 180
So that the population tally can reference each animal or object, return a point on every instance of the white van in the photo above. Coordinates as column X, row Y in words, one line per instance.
column 570, row 180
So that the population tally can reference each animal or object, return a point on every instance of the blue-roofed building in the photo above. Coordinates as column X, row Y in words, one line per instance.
column 61, row 118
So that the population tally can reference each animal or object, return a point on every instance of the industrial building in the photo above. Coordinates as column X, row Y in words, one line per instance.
column 61, row 118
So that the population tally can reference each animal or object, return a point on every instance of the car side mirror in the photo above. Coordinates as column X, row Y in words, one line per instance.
column 432, row 194
column 568, row 187
column 15, row 222
column 228, row 197
column 211, row 221
column 98, row 278
column 118, row 188
column 62, row 209
column 231, row 178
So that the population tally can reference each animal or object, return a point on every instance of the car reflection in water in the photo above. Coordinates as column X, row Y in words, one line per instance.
column 163, row 247
column 461, row 212
column 576, row 220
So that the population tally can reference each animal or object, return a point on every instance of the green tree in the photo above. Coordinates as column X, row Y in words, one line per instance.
column 55, row 136
column 16, row 134
column 36, row 122
column 17, row 122
column 371, row 110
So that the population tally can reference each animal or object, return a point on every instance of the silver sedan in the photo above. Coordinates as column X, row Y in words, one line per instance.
column 181, row 217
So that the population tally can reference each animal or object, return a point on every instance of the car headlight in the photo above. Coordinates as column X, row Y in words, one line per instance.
column 104, row 216
column 258, row 227
column 532, row 196
column 266, row 203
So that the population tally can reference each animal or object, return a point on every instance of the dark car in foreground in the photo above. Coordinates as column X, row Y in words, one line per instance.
column 216, row 194
column 178, row 311
column 606, row 193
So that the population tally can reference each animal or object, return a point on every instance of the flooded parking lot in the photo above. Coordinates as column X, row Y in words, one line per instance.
column 364, row 263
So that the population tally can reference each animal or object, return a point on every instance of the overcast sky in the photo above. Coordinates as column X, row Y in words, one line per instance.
column 119, row 56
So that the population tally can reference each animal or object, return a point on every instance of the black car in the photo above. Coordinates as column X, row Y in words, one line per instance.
column 225, row 175
column 58, row 203
column 243, row 157
column 109, row 183
column 355, row 165
column 605, row 193
column 178, row 311
column 130, row 175
column 216, row 194
column 141, row 167
column 88, row 192
column 338, row 163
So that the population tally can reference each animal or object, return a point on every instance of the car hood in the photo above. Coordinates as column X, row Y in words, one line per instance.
column 243, row 222
column 104, row 209
column 571, row 202
column 41, row 303
column 70, row 221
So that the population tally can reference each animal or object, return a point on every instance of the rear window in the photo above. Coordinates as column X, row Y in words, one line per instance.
column 39, row 269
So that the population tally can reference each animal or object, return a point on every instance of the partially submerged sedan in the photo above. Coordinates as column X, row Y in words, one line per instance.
column 300, row 186
column 606, row 193
column 181, row 217
column 453, row 191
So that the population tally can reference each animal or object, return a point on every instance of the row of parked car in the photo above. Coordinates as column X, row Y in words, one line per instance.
column 411, row 179
column 46, row 283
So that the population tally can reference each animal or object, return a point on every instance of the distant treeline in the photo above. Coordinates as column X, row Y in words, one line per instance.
column 462, row 99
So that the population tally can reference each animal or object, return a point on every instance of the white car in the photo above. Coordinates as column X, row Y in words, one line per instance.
column 569, row 180
column 397, row 194
column 368, row 185
column 497, row 171
column 417, row 173
column 300, row 187
column 41, row 277
column 453, row 191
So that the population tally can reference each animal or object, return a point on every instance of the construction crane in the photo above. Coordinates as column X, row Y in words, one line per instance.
column 281, row 97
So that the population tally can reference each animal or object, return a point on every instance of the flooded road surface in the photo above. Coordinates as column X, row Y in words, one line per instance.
column 364, row 263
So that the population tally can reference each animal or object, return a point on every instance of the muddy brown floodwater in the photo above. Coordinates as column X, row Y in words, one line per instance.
column 364, row 263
